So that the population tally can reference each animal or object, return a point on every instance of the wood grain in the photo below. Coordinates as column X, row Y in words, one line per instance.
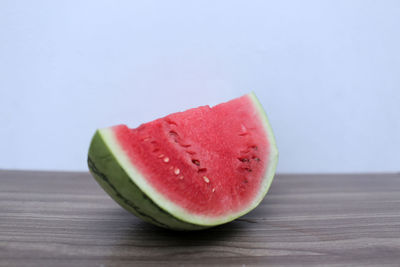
column 64, row 219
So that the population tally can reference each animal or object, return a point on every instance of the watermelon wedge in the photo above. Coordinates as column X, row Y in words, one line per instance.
column 189, row 170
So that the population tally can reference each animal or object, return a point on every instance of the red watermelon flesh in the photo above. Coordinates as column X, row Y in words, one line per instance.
column 208, row 160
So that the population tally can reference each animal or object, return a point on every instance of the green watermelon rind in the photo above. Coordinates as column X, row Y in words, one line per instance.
column 114, row 171
column 112, row 177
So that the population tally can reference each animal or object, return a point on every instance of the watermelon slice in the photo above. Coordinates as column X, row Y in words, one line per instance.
column 189, row 170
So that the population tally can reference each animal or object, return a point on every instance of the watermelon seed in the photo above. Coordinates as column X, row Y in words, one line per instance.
column 171, row 122
column 244, row 159
column 160, row 156
column 190, row 152
column 166, row 159
column 245, row 169
column 196, row 162
column 202, row 170
column 255, row 158
column 213, row 190
column 146, row 139
column 177, row 171
column 174, row 135
column 243, row 134
column 254, row 147
column 206, row 179
column 185, row 145
column 181, row 177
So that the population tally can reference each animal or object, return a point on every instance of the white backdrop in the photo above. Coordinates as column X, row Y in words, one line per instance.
column 327, row 73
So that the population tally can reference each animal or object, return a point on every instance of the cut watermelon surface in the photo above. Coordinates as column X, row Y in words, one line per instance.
column 189, row 170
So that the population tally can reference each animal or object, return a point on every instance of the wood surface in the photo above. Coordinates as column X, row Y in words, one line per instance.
column 66, row 219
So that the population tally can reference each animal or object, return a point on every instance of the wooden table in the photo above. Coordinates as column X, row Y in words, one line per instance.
column 65, row 219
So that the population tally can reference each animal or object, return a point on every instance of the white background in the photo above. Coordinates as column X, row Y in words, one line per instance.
column 327, row 73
